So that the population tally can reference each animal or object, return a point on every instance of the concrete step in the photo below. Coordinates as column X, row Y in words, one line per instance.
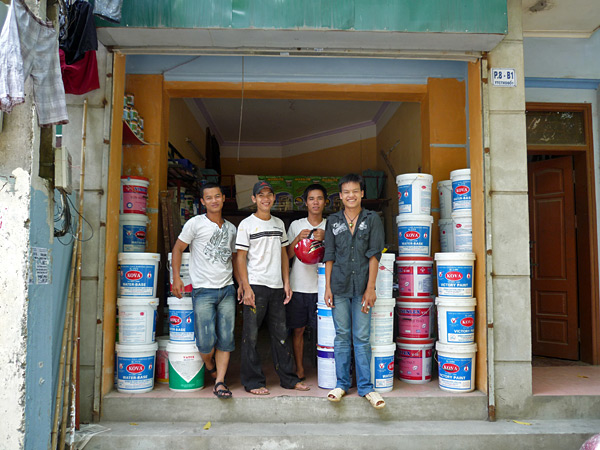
column 416, row 435
column 291, row 409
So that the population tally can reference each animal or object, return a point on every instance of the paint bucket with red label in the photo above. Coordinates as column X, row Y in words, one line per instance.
column 162, row 360
column 415, row 276
column 134, row 194
column 414, row 360
column 415, row 317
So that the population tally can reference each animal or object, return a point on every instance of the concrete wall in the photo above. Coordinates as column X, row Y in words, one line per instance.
column 507, row 214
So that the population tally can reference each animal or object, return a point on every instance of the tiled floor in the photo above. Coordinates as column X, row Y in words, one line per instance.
column 566, row 380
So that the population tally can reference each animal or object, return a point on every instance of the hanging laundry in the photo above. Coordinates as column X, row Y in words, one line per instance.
column 81, row 31
column 109, row 10
column 82, row 76
column 37, row 56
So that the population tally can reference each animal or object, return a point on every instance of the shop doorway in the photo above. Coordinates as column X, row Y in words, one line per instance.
column 563, row 240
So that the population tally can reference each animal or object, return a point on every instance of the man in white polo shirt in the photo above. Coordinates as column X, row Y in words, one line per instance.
column 212, row 241
column 263, row 268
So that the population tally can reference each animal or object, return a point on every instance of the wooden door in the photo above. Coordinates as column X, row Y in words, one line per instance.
column 554, row 312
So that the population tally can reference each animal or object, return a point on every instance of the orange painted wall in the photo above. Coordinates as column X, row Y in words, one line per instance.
column 182, row 125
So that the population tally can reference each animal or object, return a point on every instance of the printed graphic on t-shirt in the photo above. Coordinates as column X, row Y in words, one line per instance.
column 218, row 249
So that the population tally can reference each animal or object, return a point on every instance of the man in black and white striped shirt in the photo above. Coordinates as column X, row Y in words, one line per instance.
column 264, row 273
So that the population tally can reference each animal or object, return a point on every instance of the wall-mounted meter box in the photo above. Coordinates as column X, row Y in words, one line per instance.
column 63, row 168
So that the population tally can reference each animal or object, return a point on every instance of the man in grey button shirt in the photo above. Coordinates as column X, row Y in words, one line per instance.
column 353, row 243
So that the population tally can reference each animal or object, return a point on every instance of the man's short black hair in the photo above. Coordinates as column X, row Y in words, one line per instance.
column 314, row 187
column 210, row 185
column 352, row 178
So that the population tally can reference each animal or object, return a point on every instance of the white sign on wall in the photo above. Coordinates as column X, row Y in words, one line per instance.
column 504, row 77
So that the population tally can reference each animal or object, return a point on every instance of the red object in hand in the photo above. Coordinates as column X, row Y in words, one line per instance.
column 310, row 251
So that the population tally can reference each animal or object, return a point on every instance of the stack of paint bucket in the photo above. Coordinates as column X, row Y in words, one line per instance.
column 133, row 220
column 456, row 347
column 326, row 378
column 414, row 266
column 382, row 326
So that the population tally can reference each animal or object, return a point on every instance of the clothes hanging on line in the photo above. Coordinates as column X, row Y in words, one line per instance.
column 109, row 10
column 81, row 31
column 37, row 57
column 82, row 76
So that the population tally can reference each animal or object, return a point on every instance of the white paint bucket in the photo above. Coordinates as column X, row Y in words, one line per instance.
column 162, row 360
column 414, row 193
column 132, row 232
column 455, row 274
column 414, row 233
column 325, row 327
column 463, row 231
column 446, row 235
column 382, row 321
column 181, row 320
column 445, row 196
column 326, row 378
column 415, row 276
column 135, row 367
column 456, row 320
column 461, row 189
column 137, row 274
column 184, row 273
column 186, row 368
column 384, row 284
column 137, row 320
column 415, row 360
column 134, row 194
column 382, row 367
column 456, row 366
column 321, row 283
column 415, row 317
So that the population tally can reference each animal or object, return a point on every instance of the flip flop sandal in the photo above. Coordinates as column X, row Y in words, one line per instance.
column 335, row 395
column 376, row 400
column 222, row 393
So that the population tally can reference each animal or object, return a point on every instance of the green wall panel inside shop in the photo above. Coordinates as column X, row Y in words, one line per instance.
column 450, row 16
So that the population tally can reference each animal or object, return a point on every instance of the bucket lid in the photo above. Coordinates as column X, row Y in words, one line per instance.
column 413, row 176
column 416, row 341
column 460, row 173
column 426, row 299
column 138, row 256
column 137, row 301
column 322, row 306
column 461, row 256
column 132, row 177
column 416, row 304
column 409, row 259
column 456, row 348
column 461, row 213
column 413, row 218
column 444, row 183
column 455, row 301
column 184, row 301
column 385, row 301
column 137, row 348
column 133, row 217
column 385, row 348
column 182, row 347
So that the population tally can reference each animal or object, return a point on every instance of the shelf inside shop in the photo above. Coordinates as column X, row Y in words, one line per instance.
column 129, row 137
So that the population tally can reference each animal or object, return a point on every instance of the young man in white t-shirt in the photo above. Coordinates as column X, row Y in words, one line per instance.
column 212, row 241
column 302, row 309
column 263, row 269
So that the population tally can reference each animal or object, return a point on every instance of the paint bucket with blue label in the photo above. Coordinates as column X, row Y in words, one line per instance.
column 445, row 197
column 462, row 232
column 414, row 234
column 137, row 274
column 132, row 232
column 446, row 235
column 325, row 327
column 461, row 189
column 382, row 367
column 135, row 367
column 321, row 283
column 456, row 320
column 455, row 274
column 137, row 320
column 181, row 319
column 456, row 366
column 414, row 193
column 326, row 378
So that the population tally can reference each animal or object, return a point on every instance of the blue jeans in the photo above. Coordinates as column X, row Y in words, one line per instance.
column 352, row 327
column 214, row 315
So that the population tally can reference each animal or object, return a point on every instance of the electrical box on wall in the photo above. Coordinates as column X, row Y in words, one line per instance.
column 63, row 168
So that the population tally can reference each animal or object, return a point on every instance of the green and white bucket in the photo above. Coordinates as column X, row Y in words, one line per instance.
column 186, row 368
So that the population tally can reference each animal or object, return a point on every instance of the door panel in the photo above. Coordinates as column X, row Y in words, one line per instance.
column 553, row 259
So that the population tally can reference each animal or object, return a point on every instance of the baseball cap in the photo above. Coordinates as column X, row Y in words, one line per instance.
column 259, row 186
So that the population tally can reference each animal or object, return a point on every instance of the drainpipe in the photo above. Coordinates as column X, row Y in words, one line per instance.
column 487, row 195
